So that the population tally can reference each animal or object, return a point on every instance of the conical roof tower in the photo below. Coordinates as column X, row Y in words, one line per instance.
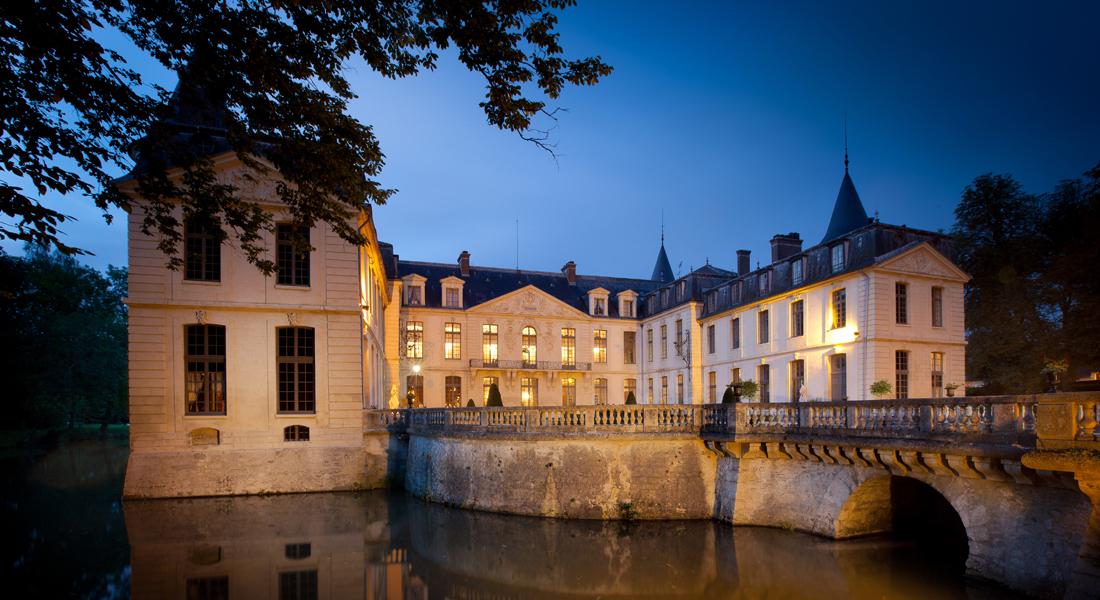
column 848, row 212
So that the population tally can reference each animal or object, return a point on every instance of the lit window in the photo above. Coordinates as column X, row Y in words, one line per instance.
column 840, row 309
column 414, row 339
column 414, row 387
column 837, row 255
column 679, row 389
column 712, row 387
column 937, row 374
column 601, row 391
column 797, row 319
column 486, row 383
column 529, row 350
column 529, row 391
column 937, row 307
column 452, row 340
column 293, row 262
column 901, row 303
column 568, row 347
column 629, row 387
column 762, row 326
column 202, row 255
column 205, row 359
column 296, row 370
column 452, row 391
column 651, row 390
column 664, row 390
column 489, row 344
column 599, row 346
column 901, row 372
column 628, row 347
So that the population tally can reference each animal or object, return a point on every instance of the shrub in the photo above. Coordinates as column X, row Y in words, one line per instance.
column 749, row 389
column 494, row 396
column 630, row 399
column 729, row 397
column 470, row 403
column 881, row 388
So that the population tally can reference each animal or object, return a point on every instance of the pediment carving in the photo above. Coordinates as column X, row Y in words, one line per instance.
column 250, row 185
column 921, row 263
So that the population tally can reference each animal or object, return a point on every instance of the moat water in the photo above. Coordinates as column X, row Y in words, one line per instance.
column 67, row 534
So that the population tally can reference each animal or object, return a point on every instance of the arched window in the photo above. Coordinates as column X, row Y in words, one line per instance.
column 205, row 375
column 296, row 372
column 415, row 384
column 296, row 433
column 529, row 347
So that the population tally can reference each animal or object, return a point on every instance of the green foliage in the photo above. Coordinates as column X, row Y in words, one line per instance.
column 272, row 79
column 1031, row 292
column 728, row 397
column 749, row 389
column 494, row 396
column 64, row 356
column 626, row 511
column 630, row 399
column 470, row 403
column 881, row 388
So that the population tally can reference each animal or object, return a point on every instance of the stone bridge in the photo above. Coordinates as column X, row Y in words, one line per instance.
column 1029, row 519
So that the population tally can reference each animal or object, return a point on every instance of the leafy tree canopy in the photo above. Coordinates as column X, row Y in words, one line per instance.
column 274, row 70
column 1034, row 289
column 64, row 352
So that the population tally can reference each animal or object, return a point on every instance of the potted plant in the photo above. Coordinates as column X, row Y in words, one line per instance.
column 749, row 389
column 951, row 387
column 881, row 388
column 1053, row 368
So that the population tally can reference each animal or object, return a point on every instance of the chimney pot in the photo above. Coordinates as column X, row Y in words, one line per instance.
column 743, row 264
column 570, row 271
column 464, row 263
column 785, row 245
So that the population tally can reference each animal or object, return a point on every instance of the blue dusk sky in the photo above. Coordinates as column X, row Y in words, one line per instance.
column 729, row 118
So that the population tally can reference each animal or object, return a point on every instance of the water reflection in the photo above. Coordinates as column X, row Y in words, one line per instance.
column 391, row 546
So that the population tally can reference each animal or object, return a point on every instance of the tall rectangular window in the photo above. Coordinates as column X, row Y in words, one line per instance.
column 414, row 339
column 735, row 333
column 628, row 347
column 651, row 390
column 568, row 391
column 452, row 389
column 735, row 375
column 452, row 298
column 679, row 335
column 415, row 296
column 796, row 272
column 568, row 347
column 712, row 387
column 840, row 309
column 763, row 375
column 293, row 262
column 664, row 341
column 837, row 255
column 489, row 344
column 295, row 366
column 649, row 344
column 628, row 308
column 630, row 387
column 599, row 346
column 601, row 391
column 765, row 282
column 679, row 389
column 529, row 391
column 528, row 349
column 762, row 326
column 710, row 339
column 598, row 307
column 664, row 390
column 937, row 307
column 937, row 374
column 414, row 386
column 202, row 255
column 901, row 303
column 297, row 585
column 901, row 374
column 486, row 383
column 205, row 385
column 838, row 374
column 798, row 379
column 797, row 319
column 452, row 340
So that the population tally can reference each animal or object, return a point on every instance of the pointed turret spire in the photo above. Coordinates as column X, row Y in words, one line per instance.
column 848, row 212
column 662, row 271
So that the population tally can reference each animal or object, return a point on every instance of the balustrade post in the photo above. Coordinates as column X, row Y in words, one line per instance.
column 852, row 420
column 804, row 418
column 927, row 413
column 1087, row 424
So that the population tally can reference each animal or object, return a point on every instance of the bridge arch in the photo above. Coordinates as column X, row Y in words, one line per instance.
column 909, row 508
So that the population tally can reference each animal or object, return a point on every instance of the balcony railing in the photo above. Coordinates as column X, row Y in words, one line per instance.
column 542, row 365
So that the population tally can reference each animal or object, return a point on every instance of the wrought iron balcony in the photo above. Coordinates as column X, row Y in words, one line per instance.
column 542, row 365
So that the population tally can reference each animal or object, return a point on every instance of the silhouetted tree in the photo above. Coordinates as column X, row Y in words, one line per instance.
column 728, row 397
column 494, row 396
column 1033, row 291
column 630, row 399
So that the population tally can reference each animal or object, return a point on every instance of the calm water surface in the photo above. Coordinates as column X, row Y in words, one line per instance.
column 68, row 535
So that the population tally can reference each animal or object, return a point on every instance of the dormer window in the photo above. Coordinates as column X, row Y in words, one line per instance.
column 414, row 289
column 628, row 308
column 765, row 282
column 452, row 292
column 598, row 309
column 735, row 292
column 796, row 272
column 597, row 302
column 711, row 302
column 416, row 295
column 837, row 257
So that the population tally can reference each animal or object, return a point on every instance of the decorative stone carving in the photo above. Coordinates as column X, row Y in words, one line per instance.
column 200, row 317
column 293, row 319
column 920, row 262
column 249, row 185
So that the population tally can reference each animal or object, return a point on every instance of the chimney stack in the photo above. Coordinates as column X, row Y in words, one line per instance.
column 785, row 245
column 743, row 265
column 570, row 271
column 464, row 263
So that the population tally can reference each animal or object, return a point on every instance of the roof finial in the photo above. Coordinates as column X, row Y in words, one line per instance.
column 845, row 141
column 662, row 226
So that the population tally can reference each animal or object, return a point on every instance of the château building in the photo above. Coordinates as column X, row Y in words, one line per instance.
column 246, row 369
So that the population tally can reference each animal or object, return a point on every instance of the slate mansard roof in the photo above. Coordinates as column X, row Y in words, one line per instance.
column 488, row 283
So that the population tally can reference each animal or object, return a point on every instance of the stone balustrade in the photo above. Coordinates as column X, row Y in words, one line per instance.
column 557, row 419
column 523, row 365
column 1069, row 421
